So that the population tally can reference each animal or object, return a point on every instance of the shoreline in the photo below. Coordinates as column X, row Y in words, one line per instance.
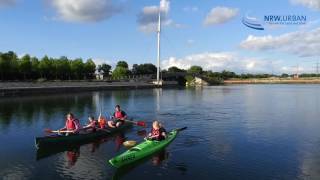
column 31, row 88
column 273, row 81
column 14, row 88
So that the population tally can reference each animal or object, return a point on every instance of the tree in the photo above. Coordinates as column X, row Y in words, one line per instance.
column 3, row 66
column 45, row 67
column 8, row 65
column 120, row 72
column 228, row 74
column 89, row 69
column 104, row 69
column 123, row 64
column 77, row 68
column 174, row 69
column 34, row 68
column 25, row 66
column 63, row 68
column 195, row 70
column 143, row 69
column 135, row 68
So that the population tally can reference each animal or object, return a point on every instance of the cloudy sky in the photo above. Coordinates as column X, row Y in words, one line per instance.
column 207, row 33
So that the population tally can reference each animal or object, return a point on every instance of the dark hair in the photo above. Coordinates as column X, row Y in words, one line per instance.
column 117, row 106
column 70, row 114
column 91, row 117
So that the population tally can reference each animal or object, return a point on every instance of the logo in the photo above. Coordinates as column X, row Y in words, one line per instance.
column 252, row 22
column 285, row 19
column 255, row 23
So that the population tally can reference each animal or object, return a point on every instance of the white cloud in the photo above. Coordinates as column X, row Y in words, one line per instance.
column 218, row 61
column 148, row 17
column 301, row 43
column 84, row 10
column 312, row 4
column 6, row 3
column 219, row 15
column 99, row 61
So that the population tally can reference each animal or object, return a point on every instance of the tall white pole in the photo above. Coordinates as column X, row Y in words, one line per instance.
column 158, row 55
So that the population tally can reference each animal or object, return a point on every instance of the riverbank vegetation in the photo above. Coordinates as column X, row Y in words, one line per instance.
column 29, row 67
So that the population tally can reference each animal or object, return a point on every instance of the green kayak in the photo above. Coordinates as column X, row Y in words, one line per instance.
column 142, row 150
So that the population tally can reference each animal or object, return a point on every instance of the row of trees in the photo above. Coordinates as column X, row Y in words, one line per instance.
column 30, row 68
column 27, row 67
column 197, row 70
column 122, row 70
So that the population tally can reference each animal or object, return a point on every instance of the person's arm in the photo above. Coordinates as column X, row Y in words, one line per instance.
column 124, row 115
column 113, row 116
column 164, row 134
column 87, row 126
column 64, row 128
column 77, row 125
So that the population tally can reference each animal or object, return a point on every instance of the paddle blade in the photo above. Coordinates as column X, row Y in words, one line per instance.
column 47, row 130
column 181, row 129
column 142, row 133
column 142, row 123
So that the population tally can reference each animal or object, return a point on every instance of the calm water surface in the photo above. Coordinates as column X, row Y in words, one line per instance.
column 234, row 132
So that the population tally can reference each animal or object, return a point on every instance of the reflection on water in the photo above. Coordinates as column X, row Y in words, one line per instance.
column 156, row 160
column 72, row 156
column 234, row 132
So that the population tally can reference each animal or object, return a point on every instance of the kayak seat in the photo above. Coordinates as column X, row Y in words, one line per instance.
column 134, row 149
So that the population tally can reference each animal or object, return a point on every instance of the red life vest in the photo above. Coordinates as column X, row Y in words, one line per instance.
column 155, row 132
column 102, row 122
column 70, row 125
column 118, row 115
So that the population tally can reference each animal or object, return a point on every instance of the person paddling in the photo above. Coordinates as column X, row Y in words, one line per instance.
column 102, row 122
column 157, row 133
column 118, row 117
column 92, row 124
column 72, row 124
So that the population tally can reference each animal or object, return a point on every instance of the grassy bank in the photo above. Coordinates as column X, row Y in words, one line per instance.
column 273, row 81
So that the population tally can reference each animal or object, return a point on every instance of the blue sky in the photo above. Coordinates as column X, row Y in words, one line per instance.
column 206, row 32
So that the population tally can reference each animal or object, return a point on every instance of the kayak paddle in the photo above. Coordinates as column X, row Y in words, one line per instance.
column 181, row 129
column 57, row 131
column 138, row 123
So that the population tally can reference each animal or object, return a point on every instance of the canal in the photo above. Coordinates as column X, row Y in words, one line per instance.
column 234, row 132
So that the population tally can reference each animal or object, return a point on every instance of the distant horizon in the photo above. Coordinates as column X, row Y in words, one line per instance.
column 113, row 66
column 210, row 33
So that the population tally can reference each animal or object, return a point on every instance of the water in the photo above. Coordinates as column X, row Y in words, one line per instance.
column 234, row 132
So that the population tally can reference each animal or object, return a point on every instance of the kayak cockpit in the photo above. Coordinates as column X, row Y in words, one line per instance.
column 135, row 149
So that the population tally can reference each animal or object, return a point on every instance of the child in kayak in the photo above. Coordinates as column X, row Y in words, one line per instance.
column 92, row 124
column 157, row 133
column 118, row 117
column 102, row 122
column 72, row 124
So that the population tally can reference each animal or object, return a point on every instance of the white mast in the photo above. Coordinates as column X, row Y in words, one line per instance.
column 158, row 55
